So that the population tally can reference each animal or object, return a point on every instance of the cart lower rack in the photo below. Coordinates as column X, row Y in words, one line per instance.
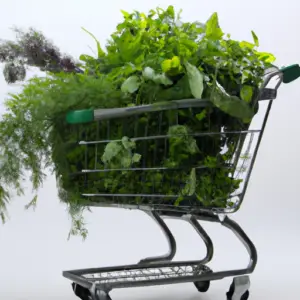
column 96, row 283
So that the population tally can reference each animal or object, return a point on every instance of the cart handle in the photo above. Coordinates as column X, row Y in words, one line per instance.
column 290, row 73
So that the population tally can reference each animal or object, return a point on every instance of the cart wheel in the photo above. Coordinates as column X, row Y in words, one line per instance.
column 81, row 292
column 101, row 295
column 237, row 291
column 202, row 286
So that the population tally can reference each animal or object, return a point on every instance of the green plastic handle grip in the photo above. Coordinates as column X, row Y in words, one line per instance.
column 80, row 116
column 290, row 73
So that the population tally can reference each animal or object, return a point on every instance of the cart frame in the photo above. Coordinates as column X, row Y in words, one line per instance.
column 161, row 270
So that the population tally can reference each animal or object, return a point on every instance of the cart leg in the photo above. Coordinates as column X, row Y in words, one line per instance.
column 241, row 235
column 205, row 237
column 170, row 238
column 202, row 286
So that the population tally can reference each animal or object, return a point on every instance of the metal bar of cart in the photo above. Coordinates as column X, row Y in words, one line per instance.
column 107, row 283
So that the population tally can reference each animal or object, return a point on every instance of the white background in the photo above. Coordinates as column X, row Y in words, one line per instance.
column 33, row 245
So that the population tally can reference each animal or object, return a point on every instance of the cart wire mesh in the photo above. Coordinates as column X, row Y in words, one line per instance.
column 147, row 177
column 149, row 273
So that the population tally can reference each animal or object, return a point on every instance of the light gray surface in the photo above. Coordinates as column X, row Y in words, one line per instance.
column 33, row 245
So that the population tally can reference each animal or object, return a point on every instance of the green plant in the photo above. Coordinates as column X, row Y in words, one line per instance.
column 149, row 59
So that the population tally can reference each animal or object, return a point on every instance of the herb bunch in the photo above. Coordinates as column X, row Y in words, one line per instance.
column 150, row 58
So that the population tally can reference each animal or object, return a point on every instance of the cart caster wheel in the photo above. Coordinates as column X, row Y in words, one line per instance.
column 81, row 292
column 202, row 286
column 239, row 289
column 101, row 295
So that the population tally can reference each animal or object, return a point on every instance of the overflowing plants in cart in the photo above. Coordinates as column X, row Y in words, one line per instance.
column 151, row 58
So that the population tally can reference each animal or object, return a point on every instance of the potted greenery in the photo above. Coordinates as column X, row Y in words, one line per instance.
column 151, row 58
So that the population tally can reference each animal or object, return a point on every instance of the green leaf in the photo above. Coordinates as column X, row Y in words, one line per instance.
column 149, row 74
column 125, row 161
column 195, row 80
column 201, row 115
column 246, row 93
column 190, row 187
column 166, row 65
column 245, row 76
column 266, row 57
column 213, row 30
column 129, row 45
column 131, row 84
column 231, row 105
column 86, row 58
column 248, row 45
column 171, row 12
column 162, row 79
column 175, row 62
column 127, row 143
column 101, row 53
column 125, row 14
column 255, row 38
column 136, row 158
column 111, row 150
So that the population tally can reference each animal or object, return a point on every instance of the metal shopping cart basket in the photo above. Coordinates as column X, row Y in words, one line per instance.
column 96, row 283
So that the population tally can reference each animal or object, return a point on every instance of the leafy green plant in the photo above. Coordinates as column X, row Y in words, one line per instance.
column 150, row 59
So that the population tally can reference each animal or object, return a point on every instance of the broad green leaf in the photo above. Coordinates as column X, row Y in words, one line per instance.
column 213, row 30
column 86, row 58
column 131, row 84
column 246, row 93
column 136, row 158
column 130, row 45
column 190, row 187
column 170, row 11
column 143, row 24
column 125, row 161
column 162, row 79
column 245, row 44
column 265, row 56
column 101, row 53
column 245, row 76
column 149, row 73
column 111, row 151
column 166, row 65
column 175, row 62
column 189, row 44
column 255, row 39
column 195, row 80
column 127, row 143
column 231, row 105
column 125, row 14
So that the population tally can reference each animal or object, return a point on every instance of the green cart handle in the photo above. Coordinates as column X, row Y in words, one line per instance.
column 290, row 73
column 80, row 116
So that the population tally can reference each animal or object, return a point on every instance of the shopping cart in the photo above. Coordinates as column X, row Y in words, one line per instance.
column 96, row 283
